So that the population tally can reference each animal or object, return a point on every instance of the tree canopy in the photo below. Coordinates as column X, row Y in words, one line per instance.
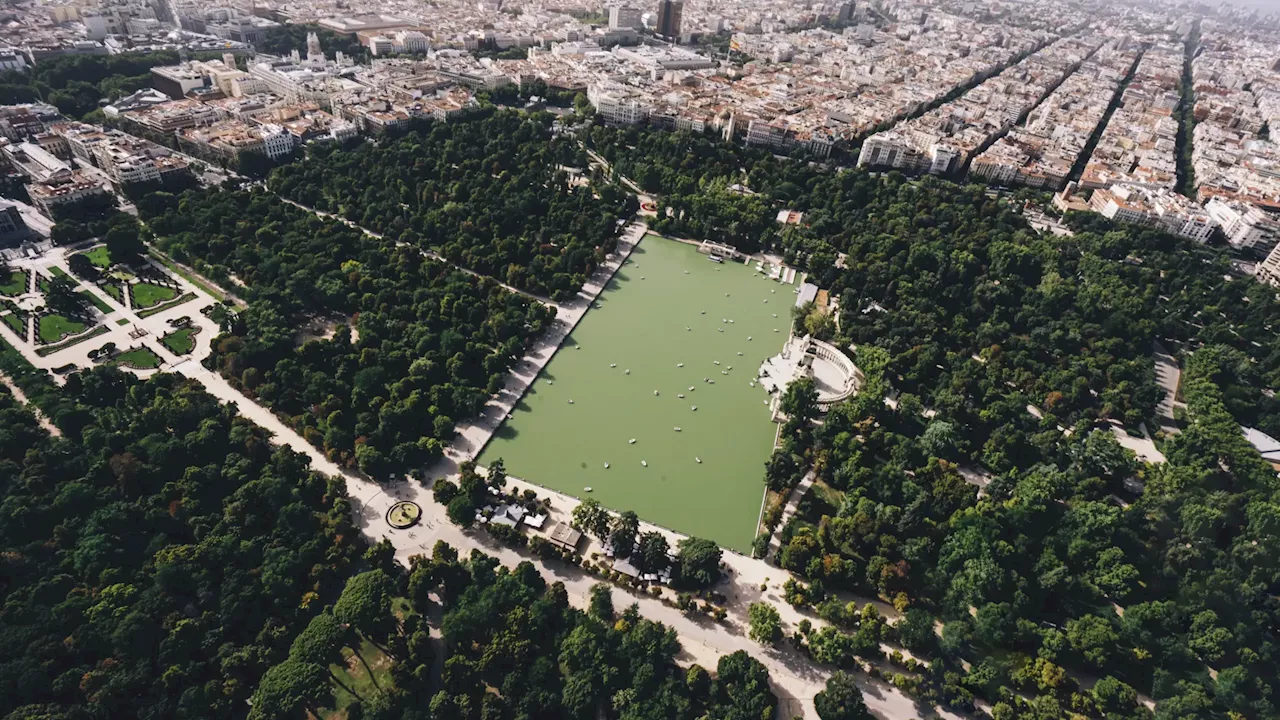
column 490, row 192
column 414, row 344
column 160, row 556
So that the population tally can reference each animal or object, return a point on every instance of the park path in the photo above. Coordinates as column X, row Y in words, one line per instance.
column 795, row 678
column 22, row 398
column 425, row 253
column 789, row 510
column 475, row 434
column 1168, row 375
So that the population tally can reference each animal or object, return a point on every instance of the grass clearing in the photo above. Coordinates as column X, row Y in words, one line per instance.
column 828, row 494
column 96, row 301
column 365, row 672
column 57, row 272
column 99, row 256
column 114, row 290
column 52, row 328
column 18, row 324
column 146, row 295
column 15, row 283
column 186, row 297
column 180, row 272
column 51, row 349
column 181, row 341
column 142, row 358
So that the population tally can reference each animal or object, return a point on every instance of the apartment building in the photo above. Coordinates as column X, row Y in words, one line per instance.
column 172, row 116
column 177, row 80
column 1247, row 226
column 623, row 16
column 1268, row 270
column 950, row 135
column 18, row 122
column 1042, row 151
column 228, row 138
column 617, row 104
column 780, row 136
column 1138, row 145
column 124, row 158
column 1154, row 206
column 13, row 229
column 53, row 182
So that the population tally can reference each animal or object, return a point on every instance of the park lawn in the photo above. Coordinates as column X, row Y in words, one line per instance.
column 140, row 358
column 177, row 270
column 367, row 671
column 99, row 256
column 14, row 284
column 181, row 341
column 145, row 294
column 46, row 350
column 122, row 321
column 97, row 302
column 828, row 494
column 157, row 309
column 53, row 328
column 114, row 290
column 57, row 271
column 18, row 324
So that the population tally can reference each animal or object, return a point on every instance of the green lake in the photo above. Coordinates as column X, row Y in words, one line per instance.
column 640, row 324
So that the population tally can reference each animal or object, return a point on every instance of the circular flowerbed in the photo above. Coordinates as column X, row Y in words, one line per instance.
column 404, row 514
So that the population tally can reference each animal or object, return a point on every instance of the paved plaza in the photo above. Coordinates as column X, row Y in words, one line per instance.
column 121, row 324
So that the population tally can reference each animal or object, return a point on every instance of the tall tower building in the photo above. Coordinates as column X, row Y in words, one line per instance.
column 669, row 12
column 314, row 53
column 622, row 16
column 845, row 14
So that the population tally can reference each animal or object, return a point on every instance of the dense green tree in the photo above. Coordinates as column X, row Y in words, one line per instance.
column 591, row 517
column 76, row 83
column 292, row 689
column 699, row 562
column 487, row 192
column 602, row 602
column 742, row 689
column 841, row 699
column 414, row 341
column 200, row 552
column 320, row 642
column 766, row 624
column 62, row 297
column 653, row 552
column 800, row 401
column 623, row 532
column 365, row 603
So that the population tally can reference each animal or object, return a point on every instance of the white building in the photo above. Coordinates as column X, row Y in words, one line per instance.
column 1154, row 206
column 12, row 59
column 276, row 141
column 616, row 105
column 908, row 152
column 379, row 45
column 1269, row 269
column 1247, row 227
column 622, row 16
column 412, row 41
